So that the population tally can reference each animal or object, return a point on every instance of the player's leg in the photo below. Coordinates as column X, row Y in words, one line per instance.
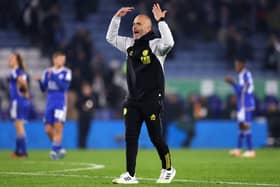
column 22, row 112
column 241, row 134
column 49, row 131
column 21, row 150
column 13, row 114
column 248, row 132
column 153, row 119
column 56, row 130
column 59, row 119
column 248, row 136
column 133, row 122
column 58, row 133
column 49, row 120
column 240, row 139
column 57, row 140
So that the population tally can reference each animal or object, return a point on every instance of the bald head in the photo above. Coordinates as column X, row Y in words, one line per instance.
column 142, row 24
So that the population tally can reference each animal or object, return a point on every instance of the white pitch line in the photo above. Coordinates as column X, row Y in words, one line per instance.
column 74, row 169
column 215, row 182
column 90, row 166
column 46, row 174
column 146, row 179
column 55, row 162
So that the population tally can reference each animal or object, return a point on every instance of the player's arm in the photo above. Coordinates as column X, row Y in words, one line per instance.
column 43, row 84
column 43, row 81
column 112, row 36
column 237, row 88
column 64, row 83
column 22, row 83
column 166, row 41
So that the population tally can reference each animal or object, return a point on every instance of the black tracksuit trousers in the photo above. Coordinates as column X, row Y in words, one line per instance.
column 135, row 113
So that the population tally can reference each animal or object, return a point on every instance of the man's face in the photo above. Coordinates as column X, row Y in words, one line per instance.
column 238, row 66
column 12, row 61
column 141, row 26
column 59, row 61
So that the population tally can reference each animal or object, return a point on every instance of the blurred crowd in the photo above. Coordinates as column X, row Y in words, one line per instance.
column 40, row 21
column 231, row 22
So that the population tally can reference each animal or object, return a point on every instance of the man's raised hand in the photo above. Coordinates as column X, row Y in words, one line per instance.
column 123, row 11
column 158, row 13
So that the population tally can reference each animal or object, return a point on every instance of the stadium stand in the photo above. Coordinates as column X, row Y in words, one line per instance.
column 195, row 58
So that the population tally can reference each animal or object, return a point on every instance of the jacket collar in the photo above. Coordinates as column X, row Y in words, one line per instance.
column 149, row 36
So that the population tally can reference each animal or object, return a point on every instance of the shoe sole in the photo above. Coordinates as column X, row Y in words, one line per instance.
column 115, row 182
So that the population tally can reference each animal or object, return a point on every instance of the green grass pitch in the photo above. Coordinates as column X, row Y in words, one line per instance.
column 201, row 168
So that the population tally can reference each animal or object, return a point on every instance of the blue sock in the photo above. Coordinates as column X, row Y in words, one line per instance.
column 249, row 140
column 241, row 136
column 56, row 146
column 17, row 150
column 22, row 145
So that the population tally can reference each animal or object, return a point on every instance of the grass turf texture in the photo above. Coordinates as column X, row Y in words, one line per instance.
column 194, row 168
